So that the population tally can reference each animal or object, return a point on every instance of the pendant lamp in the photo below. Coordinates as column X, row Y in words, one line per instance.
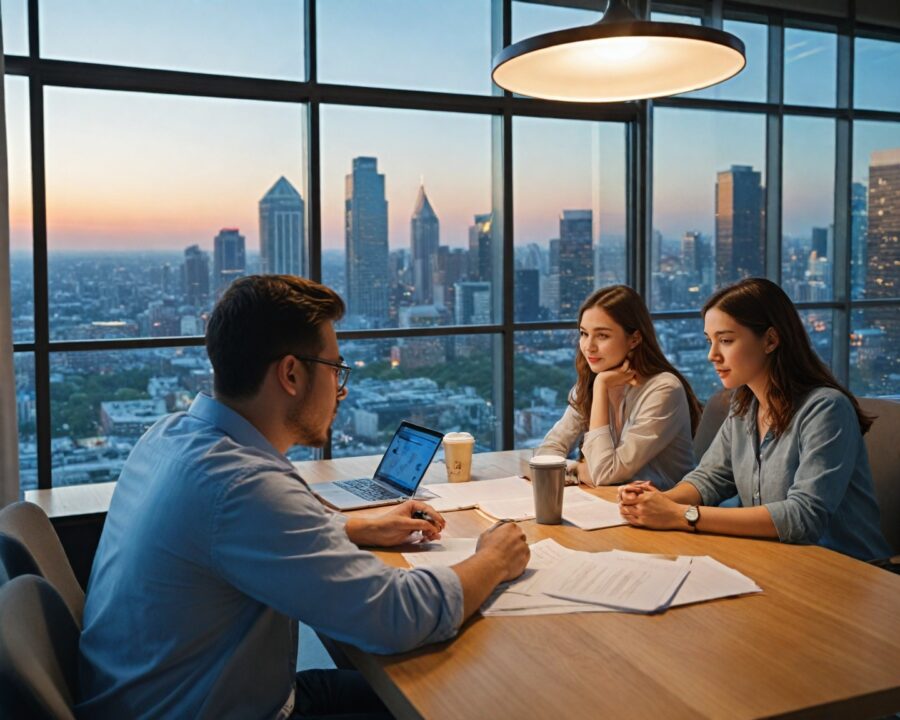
column 618, row 58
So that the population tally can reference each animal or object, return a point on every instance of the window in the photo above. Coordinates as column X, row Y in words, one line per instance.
column 463, row 225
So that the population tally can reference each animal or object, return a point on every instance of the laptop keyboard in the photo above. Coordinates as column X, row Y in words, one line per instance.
column 367, row 490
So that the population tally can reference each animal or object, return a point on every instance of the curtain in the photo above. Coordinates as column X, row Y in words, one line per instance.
column 9, row 436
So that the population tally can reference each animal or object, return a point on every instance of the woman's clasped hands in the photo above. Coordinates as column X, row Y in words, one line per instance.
column 642, row 505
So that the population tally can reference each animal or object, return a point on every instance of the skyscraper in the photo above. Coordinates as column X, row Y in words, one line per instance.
column 196, row 275
column 527, row 294
column 883, row 245
column 859, row 228
column 473, row 303
column 691, row 251
column 366, row 233
column 739, row 226
column 576, row 260
column 480, row 242
column 424, row 236
column 820, row 242
column 229, row 258
column 282, row 245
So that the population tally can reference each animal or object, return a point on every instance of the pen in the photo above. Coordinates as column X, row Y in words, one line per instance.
column 498, row 524
column 422, row 515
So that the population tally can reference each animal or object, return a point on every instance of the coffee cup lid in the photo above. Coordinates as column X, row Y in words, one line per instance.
column 458, row 437
column 547, row 461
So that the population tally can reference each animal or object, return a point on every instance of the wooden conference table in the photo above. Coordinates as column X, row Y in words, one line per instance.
column 822, row 640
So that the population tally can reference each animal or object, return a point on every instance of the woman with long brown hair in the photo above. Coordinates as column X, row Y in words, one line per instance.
column 636, row 412
column 791, row 448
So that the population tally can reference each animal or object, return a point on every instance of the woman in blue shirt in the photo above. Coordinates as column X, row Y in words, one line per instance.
column 791, row 448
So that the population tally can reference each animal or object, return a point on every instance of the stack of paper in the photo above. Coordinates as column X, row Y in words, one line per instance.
column 511, row 498
column 560, row 580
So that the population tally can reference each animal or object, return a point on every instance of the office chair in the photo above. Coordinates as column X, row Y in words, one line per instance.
column 27, row 523
column 38, row 651
column 884, row 459
column 714, row 413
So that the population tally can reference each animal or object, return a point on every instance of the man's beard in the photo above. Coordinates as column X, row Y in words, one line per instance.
column 306, row 430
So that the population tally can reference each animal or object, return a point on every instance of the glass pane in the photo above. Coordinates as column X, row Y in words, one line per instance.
column 876, row 68
column 875, row 352
column 545, row 373
column 685, row 346
column 407, row 225
column 569, row 199
column 26, row 412
column 15, row 27
column 529, row 19
column 876, row 210
column 673, row 18
column 103, row 401
column 750, row 83
column 446, row 383
column 807, row 268
column 154, row 203
column 228, row 37
column 406, row 43
column 818, row 324
column 708, row 203
column 810, row 67
column 18, row 147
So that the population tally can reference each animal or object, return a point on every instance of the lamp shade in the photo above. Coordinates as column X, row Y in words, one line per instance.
column 619, row 58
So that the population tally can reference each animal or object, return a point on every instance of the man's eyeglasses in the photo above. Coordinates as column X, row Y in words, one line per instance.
column 341, row 369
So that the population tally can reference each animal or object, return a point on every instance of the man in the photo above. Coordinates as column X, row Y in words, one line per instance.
column 214, row 546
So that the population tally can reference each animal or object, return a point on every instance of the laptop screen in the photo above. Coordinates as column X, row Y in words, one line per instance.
column 408, row 457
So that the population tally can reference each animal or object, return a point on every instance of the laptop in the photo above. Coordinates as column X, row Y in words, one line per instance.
column 398, row 475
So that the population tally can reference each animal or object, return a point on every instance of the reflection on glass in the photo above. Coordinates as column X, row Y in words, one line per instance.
column 807, row 267
column 230, row 37
column 445, row 383
column 408, row 234
column 686, row 348
column 529, row 19
column 18, row 143
column 708, row 203
column 876, row 68
column 750, row 83
column 26, row 412
column 15, row 26
column 156, row 203
column 569, row 199
column 818, row 324
column 545, row 373
column 875, row 352
column 406, row 44
column 810, row 67
column 673, row 18
column 875, row 210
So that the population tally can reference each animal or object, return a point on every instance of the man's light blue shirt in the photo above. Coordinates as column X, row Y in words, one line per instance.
column 814, row 479
column 212, row 549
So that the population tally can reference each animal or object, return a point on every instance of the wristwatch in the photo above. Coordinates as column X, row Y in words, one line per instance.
column 692, row 515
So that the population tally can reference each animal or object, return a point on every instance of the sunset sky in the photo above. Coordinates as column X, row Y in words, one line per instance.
column 129, row 170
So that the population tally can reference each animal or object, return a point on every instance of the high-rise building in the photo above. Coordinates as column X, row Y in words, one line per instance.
column 229, row 258
column 691, row 252
column 424, row 235
column 366, row 234
column 883, row 245
column 859, row 227
column 282, row 239
column 739, row 224
column 450, row 267
column 473, row 303
column 480, row 248
column 196, row 275
column 820, row 242
column 576, row 260
column 527, row 294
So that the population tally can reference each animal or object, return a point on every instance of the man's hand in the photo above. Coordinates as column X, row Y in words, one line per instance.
column 506, row 543
column 396, row 525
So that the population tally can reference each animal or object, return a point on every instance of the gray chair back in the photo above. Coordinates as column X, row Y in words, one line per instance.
column 714, row 413
column 38, row 651
column 884, row 459
column 28, row 524
column 15, row 560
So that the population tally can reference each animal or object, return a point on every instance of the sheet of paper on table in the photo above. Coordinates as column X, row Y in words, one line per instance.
column 581, row 509
column 466, row 495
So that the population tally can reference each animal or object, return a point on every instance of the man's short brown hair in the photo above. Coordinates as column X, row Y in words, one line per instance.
column 260, row 319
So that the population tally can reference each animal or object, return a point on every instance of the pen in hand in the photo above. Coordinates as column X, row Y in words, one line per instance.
column 422, row 515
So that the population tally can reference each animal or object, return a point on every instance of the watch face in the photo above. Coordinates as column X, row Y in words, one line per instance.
column 692, row 514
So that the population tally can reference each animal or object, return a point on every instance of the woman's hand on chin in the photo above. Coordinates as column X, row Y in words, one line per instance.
column 615, row 377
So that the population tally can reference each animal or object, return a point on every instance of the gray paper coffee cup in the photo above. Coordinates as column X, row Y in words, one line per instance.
column 548, row 478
